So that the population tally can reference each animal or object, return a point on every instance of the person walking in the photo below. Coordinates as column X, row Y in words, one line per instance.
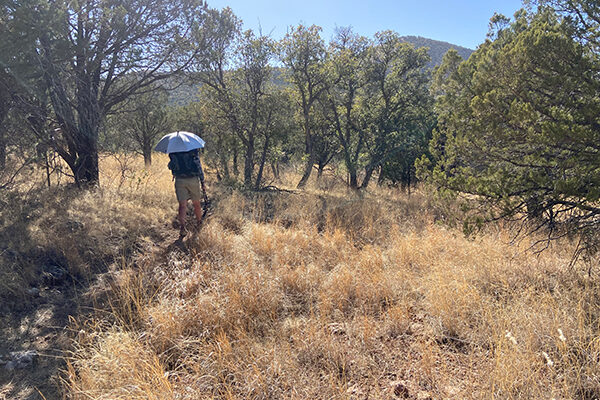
column 189, row 180
column 182, row 148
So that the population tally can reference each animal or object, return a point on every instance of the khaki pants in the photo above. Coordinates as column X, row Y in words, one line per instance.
column 188, row 188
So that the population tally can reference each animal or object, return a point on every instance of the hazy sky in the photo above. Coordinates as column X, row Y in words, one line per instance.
column 462, row 22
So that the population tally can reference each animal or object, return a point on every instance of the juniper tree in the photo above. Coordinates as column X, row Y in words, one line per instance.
column 519, row 126
column 347, row 61
column 303, row 53
column 143, row 121
column 397, row 104
column 91, row 56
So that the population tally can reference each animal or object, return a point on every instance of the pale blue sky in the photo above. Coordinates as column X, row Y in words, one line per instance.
column 462, row 22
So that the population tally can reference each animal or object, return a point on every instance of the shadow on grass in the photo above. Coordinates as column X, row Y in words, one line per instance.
column 53, row 244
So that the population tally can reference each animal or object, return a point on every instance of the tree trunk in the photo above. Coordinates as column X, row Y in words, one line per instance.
column 368, row 175
column 352, row 175
column 263, row 158
column 320, row 171
column 353, row 181
column 323, row 159
column 223, row 158
column 350, row 166
column 86, row 173
column 2, row 150
column 147, row 152
column 381, row 177
column 249, row 164
column 236, row 171
column 307, row 170
column 47, row 166
column 309, row 150
column 85, row 170
column 89, row 120
column 275, row 169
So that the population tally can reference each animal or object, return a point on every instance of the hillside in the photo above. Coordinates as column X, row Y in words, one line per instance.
column 437, row 48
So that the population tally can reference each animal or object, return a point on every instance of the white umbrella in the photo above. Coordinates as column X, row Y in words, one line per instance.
column 179, row 141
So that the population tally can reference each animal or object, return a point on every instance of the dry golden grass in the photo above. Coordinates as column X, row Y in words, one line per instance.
column 318, row 294
column 82, row 232
column 115, row 365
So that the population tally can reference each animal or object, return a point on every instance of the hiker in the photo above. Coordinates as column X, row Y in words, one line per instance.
column 182, row 148
column 189, row 178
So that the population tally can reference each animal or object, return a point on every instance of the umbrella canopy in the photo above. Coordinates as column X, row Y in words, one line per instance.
column 179, row 141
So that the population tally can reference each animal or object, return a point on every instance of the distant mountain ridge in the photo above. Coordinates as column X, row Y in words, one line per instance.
column 437, row 48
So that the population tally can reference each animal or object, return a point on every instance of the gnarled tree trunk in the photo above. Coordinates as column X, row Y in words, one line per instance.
column 147, row 153
column 312, row 157
column 261, row 167
column 85, row 169
column 368, row 175
column 249, row 163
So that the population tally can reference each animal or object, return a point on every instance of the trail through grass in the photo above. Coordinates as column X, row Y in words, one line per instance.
column 316, row 294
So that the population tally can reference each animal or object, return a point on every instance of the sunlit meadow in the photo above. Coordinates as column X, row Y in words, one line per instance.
column 315, row 294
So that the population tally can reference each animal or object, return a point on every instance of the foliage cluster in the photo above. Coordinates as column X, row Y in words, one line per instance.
column 518, row 132
column 82, row 78
column 356, row 100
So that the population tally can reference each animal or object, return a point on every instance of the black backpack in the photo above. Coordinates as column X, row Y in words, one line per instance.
column 185, row 164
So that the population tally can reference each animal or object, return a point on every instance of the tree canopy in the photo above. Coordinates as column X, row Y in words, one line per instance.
column 518, row 125
column 85, row 58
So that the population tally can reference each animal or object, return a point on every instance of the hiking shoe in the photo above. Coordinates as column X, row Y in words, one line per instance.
column 182, row 232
